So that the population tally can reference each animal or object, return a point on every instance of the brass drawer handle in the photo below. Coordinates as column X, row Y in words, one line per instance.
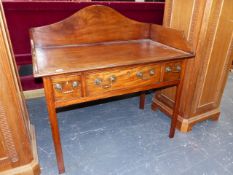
column 178, row 68
column 168, row 69
column 152, row 72
column 68, row 92
column 98, row 81
column 112, row 78
column 142, row 77
column 106, row 86
column 139, row 75
column 75, row 84
column 58, row 87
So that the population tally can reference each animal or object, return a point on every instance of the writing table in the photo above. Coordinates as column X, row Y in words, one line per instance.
column 98, row 53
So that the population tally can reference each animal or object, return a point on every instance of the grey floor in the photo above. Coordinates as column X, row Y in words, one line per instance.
column 116, row 138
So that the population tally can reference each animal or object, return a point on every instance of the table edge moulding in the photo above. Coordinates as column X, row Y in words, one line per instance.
column 98, row 53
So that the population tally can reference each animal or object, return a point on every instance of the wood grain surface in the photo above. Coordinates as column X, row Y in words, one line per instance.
column 98, row 53
column 208, row 26
column 92, row 24
column 57, row 60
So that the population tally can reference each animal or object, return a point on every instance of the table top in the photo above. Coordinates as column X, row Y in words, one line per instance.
column 55, row 60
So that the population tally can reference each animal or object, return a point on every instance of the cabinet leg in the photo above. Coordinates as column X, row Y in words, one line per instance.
column 215, row 117
column 54, row 124
column 142, row 100
column 154, row 106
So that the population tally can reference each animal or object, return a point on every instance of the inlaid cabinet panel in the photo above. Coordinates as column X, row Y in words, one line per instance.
column 219, row 53
column 184, row 7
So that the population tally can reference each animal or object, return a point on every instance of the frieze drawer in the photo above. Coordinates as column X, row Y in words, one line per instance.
column 66, row 86
column 172, row 71
column 99, row 82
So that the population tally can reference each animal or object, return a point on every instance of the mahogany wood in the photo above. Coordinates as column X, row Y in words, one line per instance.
column 177, row 102
column 98, row 53
column 87, row 26
column 208, row 26
column 142, row 100
column 84, row 57
column 232, row 66
column 122, row 91
column 170, row 37
column 67, row 92
column 127, row 76
column 53, row 122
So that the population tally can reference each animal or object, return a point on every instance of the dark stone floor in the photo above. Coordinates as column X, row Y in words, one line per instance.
column 116, row 138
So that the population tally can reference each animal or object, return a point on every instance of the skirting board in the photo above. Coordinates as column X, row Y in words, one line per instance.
column 33, row 168
column 34, row 93
column 185, row 125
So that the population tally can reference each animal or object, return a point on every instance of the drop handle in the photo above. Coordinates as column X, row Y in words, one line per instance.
column 58, row 87
column 106, row 86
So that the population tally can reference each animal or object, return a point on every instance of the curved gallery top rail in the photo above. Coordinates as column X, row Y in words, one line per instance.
column 92, row 24
column 98, row 23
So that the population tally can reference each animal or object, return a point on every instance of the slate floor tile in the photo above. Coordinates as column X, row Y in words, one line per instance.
column 207, row 167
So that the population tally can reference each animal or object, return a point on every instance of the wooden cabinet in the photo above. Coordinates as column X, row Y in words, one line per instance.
column 208, row 26
column 17, row 140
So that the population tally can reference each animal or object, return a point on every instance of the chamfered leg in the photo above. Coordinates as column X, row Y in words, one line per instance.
column 175, row 111
column 177, row 102
column 54, row 123
column 142, row 100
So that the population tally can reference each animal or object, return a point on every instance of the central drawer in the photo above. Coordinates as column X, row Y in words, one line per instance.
column 104, row 81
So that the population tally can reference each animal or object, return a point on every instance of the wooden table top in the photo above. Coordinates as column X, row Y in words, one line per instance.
column 49, row 61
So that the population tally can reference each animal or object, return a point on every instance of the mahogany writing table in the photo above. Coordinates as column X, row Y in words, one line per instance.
column 98, row 53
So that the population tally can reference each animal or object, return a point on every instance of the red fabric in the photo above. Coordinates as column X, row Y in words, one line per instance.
column 30, row 83
column 22, row 15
